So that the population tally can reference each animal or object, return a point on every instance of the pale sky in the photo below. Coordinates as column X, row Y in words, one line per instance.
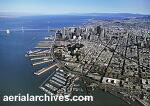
column 75, row 6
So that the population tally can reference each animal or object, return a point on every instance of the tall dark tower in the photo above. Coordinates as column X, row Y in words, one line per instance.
column 98, row 30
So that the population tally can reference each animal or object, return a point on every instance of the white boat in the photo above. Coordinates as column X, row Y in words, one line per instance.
column 7, row 31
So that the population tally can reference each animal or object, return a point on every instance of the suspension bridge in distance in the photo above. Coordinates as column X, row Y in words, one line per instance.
column 27, row 29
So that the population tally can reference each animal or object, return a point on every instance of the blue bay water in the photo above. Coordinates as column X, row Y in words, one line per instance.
column 16, row 71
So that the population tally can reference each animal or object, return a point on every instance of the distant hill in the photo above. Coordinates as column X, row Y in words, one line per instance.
column 103, row 15
column 123, row 15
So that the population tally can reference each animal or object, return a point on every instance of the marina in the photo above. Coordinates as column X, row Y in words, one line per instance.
column 54, row 84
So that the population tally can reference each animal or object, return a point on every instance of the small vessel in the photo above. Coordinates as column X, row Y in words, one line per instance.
column 8, row 31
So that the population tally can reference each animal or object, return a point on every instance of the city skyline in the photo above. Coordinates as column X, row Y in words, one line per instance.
column 76, row 6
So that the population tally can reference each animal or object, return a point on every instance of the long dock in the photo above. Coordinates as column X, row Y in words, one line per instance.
column 35, row 51
column 42, row 47
column 41, row 62
column 43, row 70
column 45, row 51
column 36, row 55
column 39, row 58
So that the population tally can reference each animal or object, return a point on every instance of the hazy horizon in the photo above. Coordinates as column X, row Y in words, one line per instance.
column 74, row 6
column 69, row 14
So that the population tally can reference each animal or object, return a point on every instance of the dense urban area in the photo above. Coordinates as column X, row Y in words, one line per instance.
column 109, row 54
